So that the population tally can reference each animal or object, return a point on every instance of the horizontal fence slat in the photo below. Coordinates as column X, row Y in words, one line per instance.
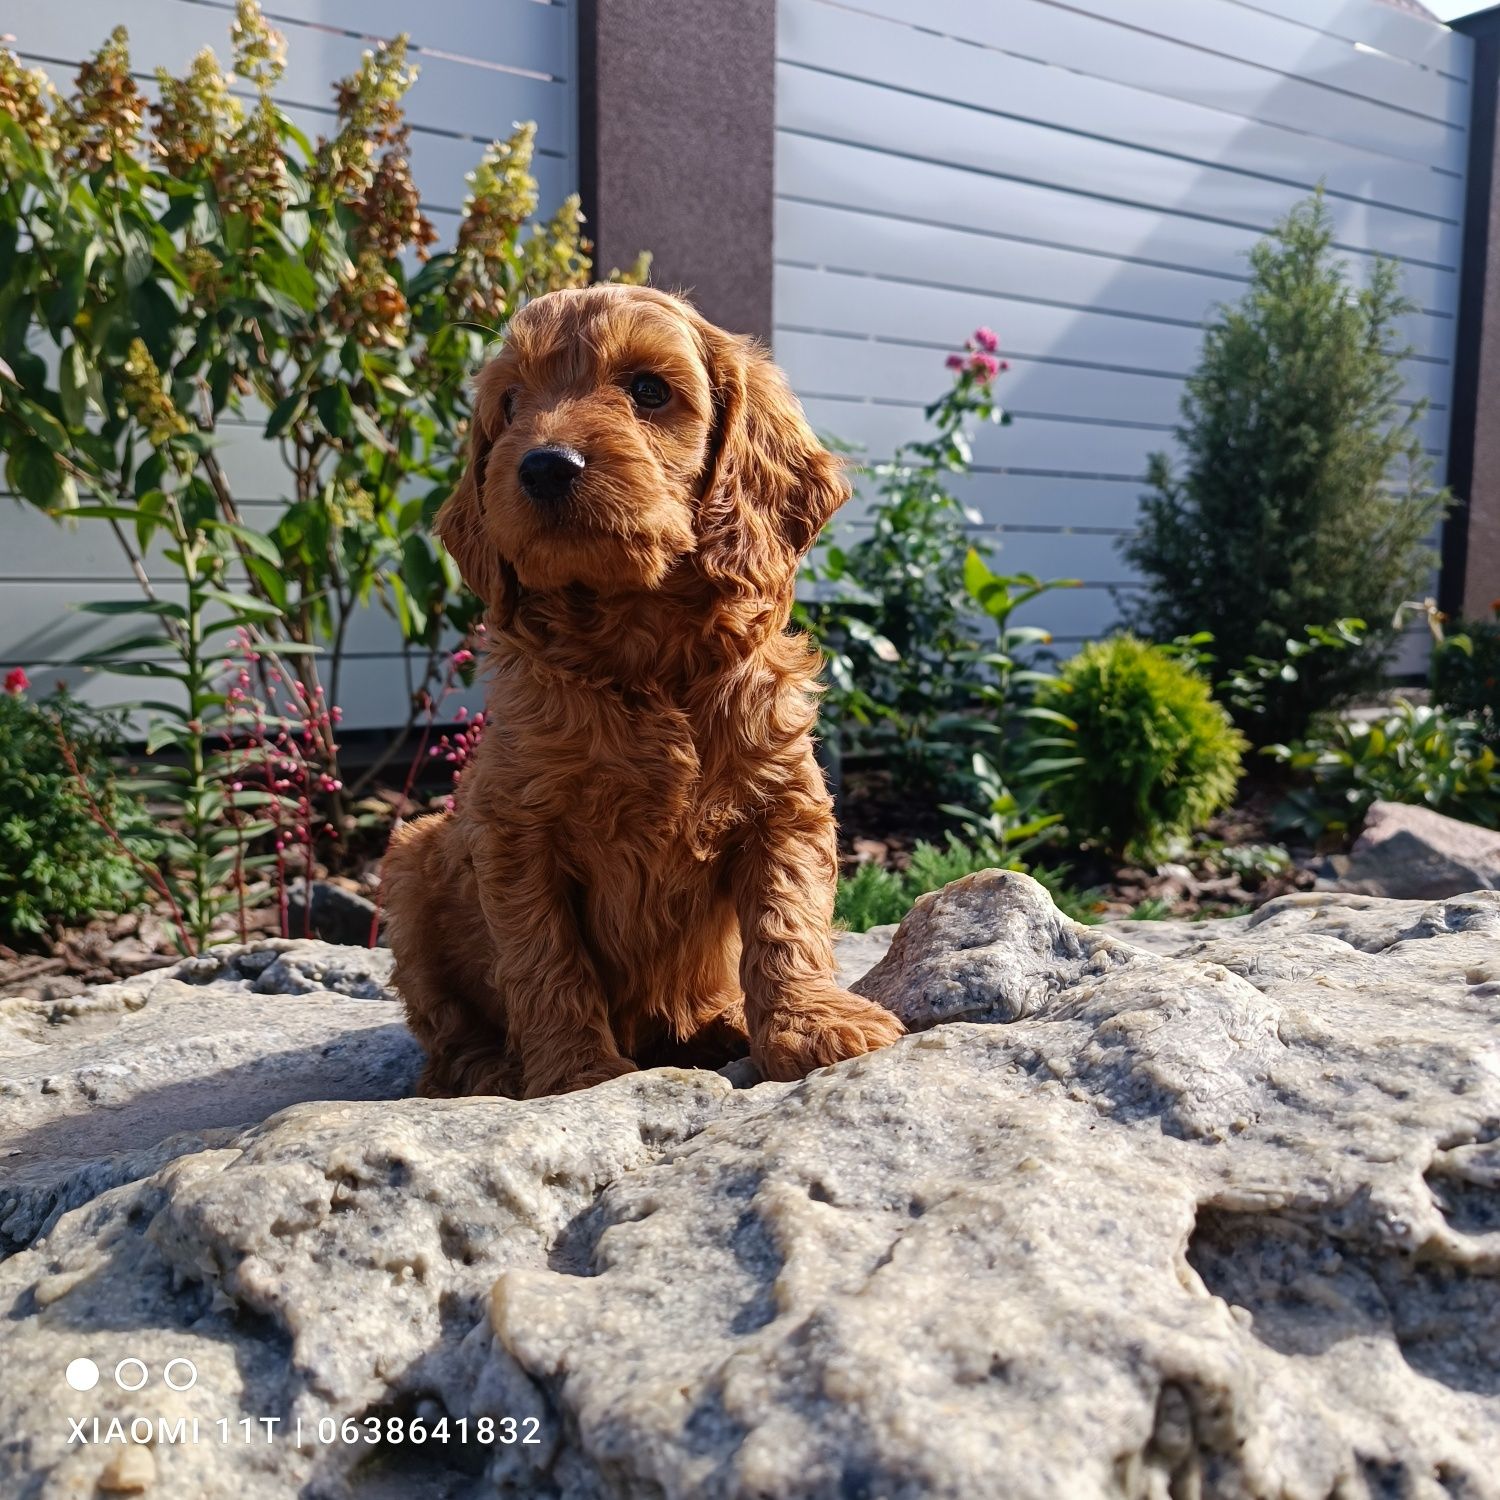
column 448, row 95
column 1164, row 65
column 1409, row 37
column 1092, row 558
column 867, row 179
column 1038, row 443
column 829, row 302
column 842, row 109
column 514, row 33
column 1350, row 64
column 819, row 365
column 902, row 57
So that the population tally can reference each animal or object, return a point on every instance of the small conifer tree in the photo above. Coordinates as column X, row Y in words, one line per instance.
column 1305, row 495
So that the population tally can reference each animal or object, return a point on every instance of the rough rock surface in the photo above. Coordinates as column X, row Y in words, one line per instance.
column 1413, row 852
column 104, row 1087
column 1223, row 1222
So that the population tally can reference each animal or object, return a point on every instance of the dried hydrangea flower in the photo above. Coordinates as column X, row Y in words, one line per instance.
column 101, row 123
column 557, row 254
column 390, row 208
column 501, row 197
column 259, row 49
column 196, row 116
column 369, row 304
column 251, row 174
column 28, row 98
column 370, row 117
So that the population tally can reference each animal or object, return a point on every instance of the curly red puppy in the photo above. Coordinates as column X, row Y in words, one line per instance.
column 641, row 865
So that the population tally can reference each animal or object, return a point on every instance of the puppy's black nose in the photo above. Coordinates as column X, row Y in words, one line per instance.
column 548, row 473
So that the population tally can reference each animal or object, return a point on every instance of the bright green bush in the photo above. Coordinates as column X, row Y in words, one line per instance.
column 1413, row 754
column 58, row 864
column 1153, row 756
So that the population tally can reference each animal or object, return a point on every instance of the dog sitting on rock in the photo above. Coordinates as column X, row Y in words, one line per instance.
column 641, row 865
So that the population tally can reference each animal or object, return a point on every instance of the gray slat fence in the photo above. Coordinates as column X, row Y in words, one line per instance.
column 1087, row 179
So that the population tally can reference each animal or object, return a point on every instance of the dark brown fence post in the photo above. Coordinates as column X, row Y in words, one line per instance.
column 677, row 103
column 1471, row 537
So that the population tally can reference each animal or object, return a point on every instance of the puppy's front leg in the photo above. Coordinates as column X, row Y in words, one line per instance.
column 784, row 878
column 556, row 1013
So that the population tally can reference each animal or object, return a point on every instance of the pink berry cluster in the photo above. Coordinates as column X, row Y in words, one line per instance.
column 979, row 358
column 457, row 749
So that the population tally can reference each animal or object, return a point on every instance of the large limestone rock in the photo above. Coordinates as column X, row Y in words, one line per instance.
column 1222, row 1221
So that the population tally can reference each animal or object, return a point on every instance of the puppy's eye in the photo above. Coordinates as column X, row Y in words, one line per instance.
column 508, row 405
column 649, row 391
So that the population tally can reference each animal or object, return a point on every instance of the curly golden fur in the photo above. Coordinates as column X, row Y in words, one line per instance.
column 641, row 865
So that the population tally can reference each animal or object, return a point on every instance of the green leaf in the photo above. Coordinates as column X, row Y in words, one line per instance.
column 258, row 543
column 108, row 654
column 73, row 383
column 34, row 473
column 365, row 425
column 138, row 252
column 164, row 732
column 166, row 609
column 243, row 604
column 335, row 409
column 284, row 413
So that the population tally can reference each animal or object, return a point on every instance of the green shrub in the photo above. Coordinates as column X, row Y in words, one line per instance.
column 1413, row 754
column 57, row 863
column 1153, row 755
column 1306, row 493
column 1466, row 676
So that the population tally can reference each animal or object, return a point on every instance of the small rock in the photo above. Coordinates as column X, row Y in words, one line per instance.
column 130, row 1471
column 337, row 915
column 1413, row 853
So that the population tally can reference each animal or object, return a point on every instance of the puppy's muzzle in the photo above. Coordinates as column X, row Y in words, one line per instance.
column 547, row 474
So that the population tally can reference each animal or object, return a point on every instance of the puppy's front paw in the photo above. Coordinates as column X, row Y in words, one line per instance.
column 582, row 1076
column 815, row 1030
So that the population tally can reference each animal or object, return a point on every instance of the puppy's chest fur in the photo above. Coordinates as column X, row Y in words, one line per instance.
column 669, row 779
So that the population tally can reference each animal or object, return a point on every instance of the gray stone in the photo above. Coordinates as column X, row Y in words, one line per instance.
column 1221, row 1222
column 337, row 915
column 1415, row 853
column 100, row 1088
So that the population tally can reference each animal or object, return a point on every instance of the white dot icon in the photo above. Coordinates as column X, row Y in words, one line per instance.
column 120, row 1369
column 82, row 1374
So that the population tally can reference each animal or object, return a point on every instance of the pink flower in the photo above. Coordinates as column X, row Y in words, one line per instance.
column 16, row 681
column 462, row 658
column 955, row 361
column 985, row 366
column 985, row 338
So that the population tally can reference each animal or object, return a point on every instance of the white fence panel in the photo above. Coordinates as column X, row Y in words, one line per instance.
column 483, row 66
column 1088, row 179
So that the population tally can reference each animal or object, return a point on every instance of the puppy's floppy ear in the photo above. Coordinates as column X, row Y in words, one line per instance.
column 771, row 485
column 460, row 522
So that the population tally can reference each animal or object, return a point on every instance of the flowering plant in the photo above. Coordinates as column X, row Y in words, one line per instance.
column 175, row 269
column 891, row 610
